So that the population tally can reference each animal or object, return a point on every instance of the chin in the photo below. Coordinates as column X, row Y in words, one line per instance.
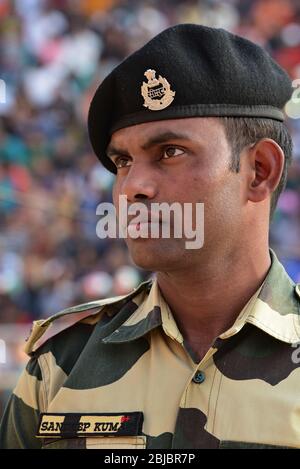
column 153, row 255
column 146, row 261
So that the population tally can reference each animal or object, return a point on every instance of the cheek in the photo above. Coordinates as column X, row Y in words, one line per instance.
column 219, row 189
column 115, row 194
column 224, row 207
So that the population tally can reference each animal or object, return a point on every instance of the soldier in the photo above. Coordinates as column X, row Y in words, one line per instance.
column 201, row 355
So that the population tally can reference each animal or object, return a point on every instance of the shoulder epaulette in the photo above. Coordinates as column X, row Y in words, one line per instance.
column 42, row 329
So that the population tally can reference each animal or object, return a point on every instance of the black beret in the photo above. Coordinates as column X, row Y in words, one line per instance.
column 187, row 70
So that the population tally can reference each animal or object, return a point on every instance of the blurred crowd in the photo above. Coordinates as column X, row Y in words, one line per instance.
column 53, row 54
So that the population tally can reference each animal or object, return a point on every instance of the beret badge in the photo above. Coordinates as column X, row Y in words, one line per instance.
column 157, row 93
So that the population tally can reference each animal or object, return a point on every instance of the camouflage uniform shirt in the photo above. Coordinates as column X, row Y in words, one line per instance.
column 116, row 373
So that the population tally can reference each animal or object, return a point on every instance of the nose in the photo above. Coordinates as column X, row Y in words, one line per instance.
column 139, row 183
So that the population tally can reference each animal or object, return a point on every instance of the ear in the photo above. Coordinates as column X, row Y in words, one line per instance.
column 266, row 162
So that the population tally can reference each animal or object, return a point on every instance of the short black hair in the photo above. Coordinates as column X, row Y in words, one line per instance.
column 242, row 131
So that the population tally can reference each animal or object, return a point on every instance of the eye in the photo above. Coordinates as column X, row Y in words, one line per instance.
column 170, row 152
column 121, row 161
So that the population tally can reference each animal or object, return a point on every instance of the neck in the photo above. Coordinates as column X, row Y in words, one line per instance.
column 208, row 300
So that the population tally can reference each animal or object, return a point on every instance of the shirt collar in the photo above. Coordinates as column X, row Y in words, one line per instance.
column 274, row 308
column 146, row 316
column 277, row 308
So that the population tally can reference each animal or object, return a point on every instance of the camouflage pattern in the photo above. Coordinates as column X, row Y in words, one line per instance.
column 126, row 355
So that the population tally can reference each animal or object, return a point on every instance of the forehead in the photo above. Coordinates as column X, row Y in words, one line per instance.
column 194, row 129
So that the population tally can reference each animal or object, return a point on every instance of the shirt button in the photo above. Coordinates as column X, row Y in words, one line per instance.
column 199, row 377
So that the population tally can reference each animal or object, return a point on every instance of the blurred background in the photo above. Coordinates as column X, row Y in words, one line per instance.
column 53, row 54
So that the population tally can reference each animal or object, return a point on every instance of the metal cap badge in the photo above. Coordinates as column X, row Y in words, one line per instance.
column 157, row 93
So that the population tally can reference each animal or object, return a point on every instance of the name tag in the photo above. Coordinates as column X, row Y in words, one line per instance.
column 83, row 425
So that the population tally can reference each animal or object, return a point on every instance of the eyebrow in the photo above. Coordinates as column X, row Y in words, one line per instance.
column 151, row 142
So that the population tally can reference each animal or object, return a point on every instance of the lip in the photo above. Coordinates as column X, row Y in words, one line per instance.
column 137, row 230
column 150, row 219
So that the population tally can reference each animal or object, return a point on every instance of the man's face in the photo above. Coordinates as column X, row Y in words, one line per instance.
column 179, row 160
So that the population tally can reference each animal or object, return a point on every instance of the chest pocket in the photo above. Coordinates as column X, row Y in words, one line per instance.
column 101, row 442
column 116, row 442
column 249, row 445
